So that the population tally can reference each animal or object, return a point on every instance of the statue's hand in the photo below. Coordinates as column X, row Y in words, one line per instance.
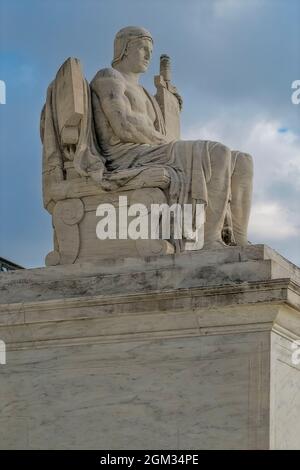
column 175, row 92
column 160, row 138
column 179, row 98
column 97, row 176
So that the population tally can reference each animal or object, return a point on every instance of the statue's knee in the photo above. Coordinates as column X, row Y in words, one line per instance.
column 221, row 148
column 222, row 155
column 247, row 158
column 246, row 161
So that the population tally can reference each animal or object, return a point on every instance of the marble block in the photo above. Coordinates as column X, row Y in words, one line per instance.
column 190, row 351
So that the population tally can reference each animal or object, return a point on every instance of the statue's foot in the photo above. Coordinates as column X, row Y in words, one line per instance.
column 215, row 245
column 232, row 244
column 243, row 243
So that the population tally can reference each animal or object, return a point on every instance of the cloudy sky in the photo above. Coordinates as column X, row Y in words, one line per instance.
column 233, row 61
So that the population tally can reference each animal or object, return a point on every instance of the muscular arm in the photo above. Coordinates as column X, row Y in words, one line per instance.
column 128, row 124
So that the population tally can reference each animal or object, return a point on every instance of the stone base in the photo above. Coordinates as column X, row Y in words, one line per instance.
column 74, row 218
column 187, row 351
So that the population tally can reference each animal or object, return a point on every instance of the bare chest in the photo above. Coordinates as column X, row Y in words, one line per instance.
column 139, row 101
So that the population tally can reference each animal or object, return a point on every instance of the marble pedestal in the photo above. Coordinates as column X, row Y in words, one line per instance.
column 174, row 352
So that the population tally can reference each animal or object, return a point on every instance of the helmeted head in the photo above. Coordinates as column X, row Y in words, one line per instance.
column 133, row 44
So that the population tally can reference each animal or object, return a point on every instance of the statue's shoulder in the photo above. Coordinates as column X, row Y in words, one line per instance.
column 108, row 72
column 105, row 79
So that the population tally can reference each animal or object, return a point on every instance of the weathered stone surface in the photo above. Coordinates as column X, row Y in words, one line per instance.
column 70, row 100
column 173, row 352
column 233, row 266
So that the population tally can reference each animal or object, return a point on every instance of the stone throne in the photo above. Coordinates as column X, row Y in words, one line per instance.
column 71, row 197
column 76, row 179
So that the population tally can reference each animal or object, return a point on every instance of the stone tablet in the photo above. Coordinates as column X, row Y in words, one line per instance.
column 70, row 100
column 166, row 97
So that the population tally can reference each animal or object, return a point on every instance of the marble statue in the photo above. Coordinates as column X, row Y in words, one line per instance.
column 113, row 137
